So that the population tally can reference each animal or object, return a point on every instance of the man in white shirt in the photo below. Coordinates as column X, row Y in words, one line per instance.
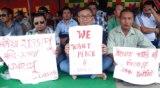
column 147, row 21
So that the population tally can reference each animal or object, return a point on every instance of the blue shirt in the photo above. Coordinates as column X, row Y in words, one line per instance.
column 14, row 30
column 62, row 27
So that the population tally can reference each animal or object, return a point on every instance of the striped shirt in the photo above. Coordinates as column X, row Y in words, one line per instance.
column 134, row 38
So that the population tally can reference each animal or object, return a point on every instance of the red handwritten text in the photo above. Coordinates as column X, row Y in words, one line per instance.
column 84, row 34
column 144, row 73
column 124, row 53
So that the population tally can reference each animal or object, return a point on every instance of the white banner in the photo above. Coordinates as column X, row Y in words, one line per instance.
column 137, row 65
column 85, row 54
column 30, row 58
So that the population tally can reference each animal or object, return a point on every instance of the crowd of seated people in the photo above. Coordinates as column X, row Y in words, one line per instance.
column 123, row 28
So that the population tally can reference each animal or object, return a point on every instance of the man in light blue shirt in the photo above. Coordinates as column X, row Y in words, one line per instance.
column 62, row 29
column 65, row 23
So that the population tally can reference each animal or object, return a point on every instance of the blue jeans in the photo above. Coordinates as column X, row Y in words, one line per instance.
column 155, row 43
column 107, row 62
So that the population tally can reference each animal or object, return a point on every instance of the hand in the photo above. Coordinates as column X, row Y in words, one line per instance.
column 58, row 50
column 66, row 49
column 104, row 49
column 157, row 31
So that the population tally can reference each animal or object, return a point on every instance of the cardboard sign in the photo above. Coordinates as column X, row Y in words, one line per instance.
column 137, row 65
column 85, row 53
column 30, row 58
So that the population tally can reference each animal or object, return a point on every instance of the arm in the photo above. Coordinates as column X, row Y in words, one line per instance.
column 104, row 49
column 67, row 49
column 157, row 16
column 143, row 42
column 144, row 29
column 147, row 30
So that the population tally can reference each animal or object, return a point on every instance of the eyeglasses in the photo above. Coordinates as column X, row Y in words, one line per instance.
column 87, row 16
column 40, row 22
column 3, row 15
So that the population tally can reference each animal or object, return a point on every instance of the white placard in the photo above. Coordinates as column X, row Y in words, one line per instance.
column 85, row 54
column 30, row 58
column 136, row 65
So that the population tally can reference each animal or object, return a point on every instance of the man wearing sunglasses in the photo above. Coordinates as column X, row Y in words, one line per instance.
column 9, row 27
column 40, row 27
column 64, row 24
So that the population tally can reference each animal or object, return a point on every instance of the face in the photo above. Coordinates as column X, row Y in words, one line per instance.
column 126, row 20
column 118, row 10
column 94, row 9
column 40, row 23
column 147, row 9
column 66, row 14
column 85, row 17
column 4, row 16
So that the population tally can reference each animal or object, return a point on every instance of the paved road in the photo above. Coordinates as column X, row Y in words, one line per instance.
column 121, row 84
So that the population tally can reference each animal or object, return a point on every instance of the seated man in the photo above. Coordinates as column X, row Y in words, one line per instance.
column 63, row 26
column 147, row 21
column 85, row 17
column 9, row 27
column 125, row 35
column 41, row 27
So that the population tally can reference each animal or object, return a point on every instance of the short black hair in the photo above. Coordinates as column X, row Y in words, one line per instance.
column 43, row 10
column 93, row 3
column 8, row 10
column 66, row 8
column 20, row 13
column 117, row 5
column 149, row 3
column 85, row 8
column 38, row 15
column 126, row 10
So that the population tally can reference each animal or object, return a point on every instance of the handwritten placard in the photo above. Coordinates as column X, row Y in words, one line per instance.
column 136, row 65
column 30, row 58
column 85, row 54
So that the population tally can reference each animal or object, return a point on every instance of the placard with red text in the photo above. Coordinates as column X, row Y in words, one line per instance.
column 85, row 53
column 30, row 58
column 136, row 65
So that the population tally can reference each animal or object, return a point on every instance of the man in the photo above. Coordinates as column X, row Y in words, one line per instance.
column 85, row 17
column 47, row 14
column 9, row 27
column 63, row 27
column 41, row 27
column 23, row 20
column 125, row 35
column 99, row 16
column 147, row 21
column 39, row 22
column 114, row 21
column 64, row 24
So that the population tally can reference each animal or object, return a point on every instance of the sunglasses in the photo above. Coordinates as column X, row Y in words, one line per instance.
column 40, row 22
column 3, row 15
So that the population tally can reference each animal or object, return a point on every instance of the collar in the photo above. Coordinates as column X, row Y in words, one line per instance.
column 47, row 29
column 71, row 20
column 12, row 24
column 131, row 30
